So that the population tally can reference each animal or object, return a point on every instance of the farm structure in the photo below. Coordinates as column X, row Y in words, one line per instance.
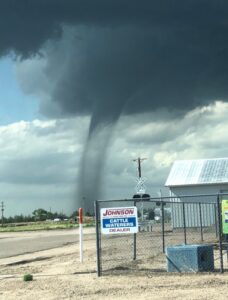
column 203, row 177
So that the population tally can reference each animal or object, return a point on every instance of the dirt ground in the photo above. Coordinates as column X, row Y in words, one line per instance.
column 58, row 274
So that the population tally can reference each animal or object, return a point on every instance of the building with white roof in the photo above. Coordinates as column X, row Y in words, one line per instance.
column 207, row 177
column 199, row 172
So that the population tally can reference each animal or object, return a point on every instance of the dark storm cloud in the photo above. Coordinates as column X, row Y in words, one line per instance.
column 138, row 69
column 27, row 24
column 127, row 55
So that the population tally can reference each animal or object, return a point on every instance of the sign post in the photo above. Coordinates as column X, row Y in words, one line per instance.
column 81, row 234
column 118, row 220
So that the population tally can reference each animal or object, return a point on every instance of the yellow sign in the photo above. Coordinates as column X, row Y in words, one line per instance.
column 225, row 216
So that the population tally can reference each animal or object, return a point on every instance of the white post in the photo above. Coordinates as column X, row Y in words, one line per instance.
column 81, row 234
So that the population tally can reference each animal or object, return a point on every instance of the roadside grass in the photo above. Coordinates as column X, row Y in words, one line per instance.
column 35, row 226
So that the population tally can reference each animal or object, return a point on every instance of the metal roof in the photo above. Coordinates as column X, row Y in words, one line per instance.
column 198, row 172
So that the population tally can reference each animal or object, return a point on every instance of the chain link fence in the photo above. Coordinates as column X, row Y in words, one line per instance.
column 162, row 222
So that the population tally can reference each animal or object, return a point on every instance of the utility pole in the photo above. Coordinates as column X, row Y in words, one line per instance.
column 139, row 160
column 140, row 188
column 2, row 209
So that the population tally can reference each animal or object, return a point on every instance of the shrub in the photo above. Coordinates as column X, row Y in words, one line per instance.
column 28, row 277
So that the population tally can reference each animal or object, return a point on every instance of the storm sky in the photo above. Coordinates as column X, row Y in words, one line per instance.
column 110, row 54
column 114, row 60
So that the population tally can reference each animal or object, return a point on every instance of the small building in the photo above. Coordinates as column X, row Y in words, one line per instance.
column 204, row 177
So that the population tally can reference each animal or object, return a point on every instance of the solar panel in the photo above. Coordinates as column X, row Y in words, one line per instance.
column 201, row 171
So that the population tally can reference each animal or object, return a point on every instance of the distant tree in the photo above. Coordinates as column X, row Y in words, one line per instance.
column 62, row 216
column 88, row 214
column 53, row 215
column 49, row 215
column 74, row 214
column 40, row 214
column 151, row 214
column 18, row 218
column 9, row 220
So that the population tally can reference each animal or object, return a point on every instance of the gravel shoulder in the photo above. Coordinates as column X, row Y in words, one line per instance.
column 58, row 274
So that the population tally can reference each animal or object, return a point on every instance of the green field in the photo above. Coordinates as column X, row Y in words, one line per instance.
column 34, row 226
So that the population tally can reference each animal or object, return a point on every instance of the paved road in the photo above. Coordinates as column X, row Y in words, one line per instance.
column 12, row 244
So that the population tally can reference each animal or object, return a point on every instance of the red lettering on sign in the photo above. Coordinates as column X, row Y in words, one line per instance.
column 117, row 212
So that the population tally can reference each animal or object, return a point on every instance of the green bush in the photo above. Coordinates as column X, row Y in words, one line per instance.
column 28, row 277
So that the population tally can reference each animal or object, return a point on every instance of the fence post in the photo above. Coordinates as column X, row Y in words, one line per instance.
column 220, row 232
column 184, row 223
column 134, row 241
column 216, row 221
column 226, row 239
column 96, row 208
column 81, row 233
column 201, row 225
column 163, row 227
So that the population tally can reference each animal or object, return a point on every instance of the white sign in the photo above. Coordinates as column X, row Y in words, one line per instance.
column 119, row 220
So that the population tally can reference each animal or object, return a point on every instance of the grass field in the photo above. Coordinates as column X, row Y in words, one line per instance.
column 45, row 225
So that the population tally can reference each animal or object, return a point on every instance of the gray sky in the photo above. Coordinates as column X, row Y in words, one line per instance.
column 45, row 174
column 112, row 62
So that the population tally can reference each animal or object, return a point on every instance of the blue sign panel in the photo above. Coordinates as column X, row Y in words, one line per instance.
column 119, row 222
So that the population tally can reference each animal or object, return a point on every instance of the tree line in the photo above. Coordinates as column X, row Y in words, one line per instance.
column 41, row 214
